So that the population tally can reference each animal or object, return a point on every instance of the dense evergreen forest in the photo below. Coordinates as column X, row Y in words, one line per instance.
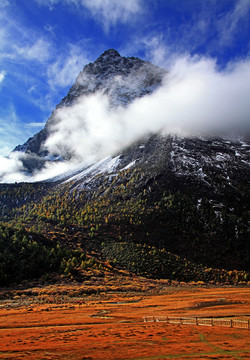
column 132, row 221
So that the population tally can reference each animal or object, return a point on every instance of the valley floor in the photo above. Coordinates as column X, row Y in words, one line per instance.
column 110, row 326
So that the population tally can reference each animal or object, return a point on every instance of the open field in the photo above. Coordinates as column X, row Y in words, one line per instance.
column 110, row 326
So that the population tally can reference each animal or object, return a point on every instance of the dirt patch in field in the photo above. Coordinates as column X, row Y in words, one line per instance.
column 213, row 303
column 111, row 327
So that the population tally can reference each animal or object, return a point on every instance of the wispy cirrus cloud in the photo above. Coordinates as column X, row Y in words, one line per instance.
column 64, row 70
column 107, row 12
column 211, row 31
column 34, row 64
column 155, row 48
column 11, row 129
column 230, row 24
column 50, row 3
column 18, row 43
column 4, row 3
column 2, row 75
column 35, row 125
column 39, row 50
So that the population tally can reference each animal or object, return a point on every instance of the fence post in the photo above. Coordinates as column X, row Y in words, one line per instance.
column 231, row 323
column 196, row 321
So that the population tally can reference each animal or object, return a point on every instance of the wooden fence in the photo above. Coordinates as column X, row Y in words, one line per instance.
column 233, row 323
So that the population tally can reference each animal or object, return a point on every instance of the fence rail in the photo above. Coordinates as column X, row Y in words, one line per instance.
column 236, row 323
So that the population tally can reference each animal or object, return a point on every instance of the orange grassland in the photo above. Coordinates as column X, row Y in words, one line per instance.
column 110, row 326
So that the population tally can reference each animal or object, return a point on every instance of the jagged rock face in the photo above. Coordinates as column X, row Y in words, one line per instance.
column 123, row 79
column 33, row 144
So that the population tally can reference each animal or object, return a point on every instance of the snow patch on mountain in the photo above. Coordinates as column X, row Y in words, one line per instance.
column 107, row 165
column 132, row 163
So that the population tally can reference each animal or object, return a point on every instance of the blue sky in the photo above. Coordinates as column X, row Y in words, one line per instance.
column 45, row 43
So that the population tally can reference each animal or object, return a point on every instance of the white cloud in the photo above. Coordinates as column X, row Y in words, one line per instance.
column 107, row 12
column 49, row 3
column 4, row 150
column 32, row 89
column 156, row 49
column 19, row 43
column 2, row 76
column 64, row 71
column 12, row 130
column 4, row 46
column 10, row 169
column 39, row 50
column 211, row 31
column 233, row 21
column 4, row 3
column 34, row 64
column 52, row 170
column 35, row 124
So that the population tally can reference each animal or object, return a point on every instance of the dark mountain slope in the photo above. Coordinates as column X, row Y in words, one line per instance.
column 179, row 194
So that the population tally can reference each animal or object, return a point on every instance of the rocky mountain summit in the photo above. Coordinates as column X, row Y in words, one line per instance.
column 123, row 79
